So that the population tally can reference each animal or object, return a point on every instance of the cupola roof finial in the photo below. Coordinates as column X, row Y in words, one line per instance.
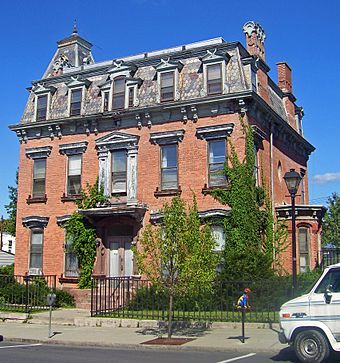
column 75, row 31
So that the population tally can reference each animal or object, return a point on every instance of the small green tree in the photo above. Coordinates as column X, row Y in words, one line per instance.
column 248, row 252
column 83, row 234
column 331, row 222
column 11, row 208
column 177, row 256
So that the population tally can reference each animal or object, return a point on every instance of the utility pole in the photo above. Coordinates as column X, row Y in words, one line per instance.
column 1, row 230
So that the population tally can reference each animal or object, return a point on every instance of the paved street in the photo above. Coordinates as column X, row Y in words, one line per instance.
column 33, row 353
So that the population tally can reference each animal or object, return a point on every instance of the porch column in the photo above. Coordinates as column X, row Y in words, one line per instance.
column 132, row 176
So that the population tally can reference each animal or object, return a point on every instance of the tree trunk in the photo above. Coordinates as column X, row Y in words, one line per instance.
column 171, row 301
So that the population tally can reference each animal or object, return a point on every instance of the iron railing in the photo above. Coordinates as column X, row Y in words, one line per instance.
column 330, row 256
column 128, row 297
column 25, row 293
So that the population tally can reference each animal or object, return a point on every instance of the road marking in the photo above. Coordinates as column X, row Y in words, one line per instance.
column 237, row 358
column 20, row 346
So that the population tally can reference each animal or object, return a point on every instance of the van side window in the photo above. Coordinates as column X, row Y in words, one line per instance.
column 332, row 278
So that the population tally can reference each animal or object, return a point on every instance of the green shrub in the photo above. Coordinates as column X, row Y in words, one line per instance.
column 7, row 270
column 64, row 299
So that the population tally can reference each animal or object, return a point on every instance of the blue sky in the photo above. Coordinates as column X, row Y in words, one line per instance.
column 304, row 33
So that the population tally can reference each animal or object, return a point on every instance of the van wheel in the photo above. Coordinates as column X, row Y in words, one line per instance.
column 311, row 346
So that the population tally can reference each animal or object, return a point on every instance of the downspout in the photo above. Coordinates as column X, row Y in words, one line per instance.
column 272, row 185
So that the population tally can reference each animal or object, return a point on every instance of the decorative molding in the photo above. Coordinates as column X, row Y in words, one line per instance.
column 253, row 27
column 167, row 137
column 77, row 82
column 117, row 140
column 168, row 65
column 61, row 220
column 33, row 200
column 215, row 132
column 120, row 68
column 35, row 222
column 215, row 56
column 302, row 212
column 74, row 148
column 41, row 89
column 38, row 152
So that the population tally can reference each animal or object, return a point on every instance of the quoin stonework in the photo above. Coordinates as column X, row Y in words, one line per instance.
column 149, row 127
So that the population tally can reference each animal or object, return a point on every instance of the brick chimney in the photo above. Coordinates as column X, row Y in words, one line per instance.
column 284, row 77
column 255, row 37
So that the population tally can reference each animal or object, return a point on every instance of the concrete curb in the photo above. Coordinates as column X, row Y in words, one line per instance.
column 241, row 348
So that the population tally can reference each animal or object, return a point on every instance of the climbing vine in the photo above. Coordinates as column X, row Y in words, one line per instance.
column 249, row 229
column 82, row 233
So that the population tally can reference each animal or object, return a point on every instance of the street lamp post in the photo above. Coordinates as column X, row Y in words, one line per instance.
column 1, row 231
column 292, row 180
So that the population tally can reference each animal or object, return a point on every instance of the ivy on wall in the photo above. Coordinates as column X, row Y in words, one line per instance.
column 82, row 234
column 252, row 238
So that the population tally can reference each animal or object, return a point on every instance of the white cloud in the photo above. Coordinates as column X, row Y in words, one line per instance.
column 326, row 178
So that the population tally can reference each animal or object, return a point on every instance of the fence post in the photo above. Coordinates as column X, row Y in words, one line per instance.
column 26, row 293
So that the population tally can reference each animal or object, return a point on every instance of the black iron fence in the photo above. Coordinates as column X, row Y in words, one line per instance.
column 330, row 256
column 140, row 299
column 25, row 293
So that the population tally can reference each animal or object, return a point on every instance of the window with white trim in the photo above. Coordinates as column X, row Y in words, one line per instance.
column 36, row 251
column 42, row 103
column 214, row 78
column 169, row 169
column 39, row 178
column 74, row 174
column 118, row 93
column 76, row 102
column 167, row 86
column 118, row 171
column 217, row 158
column 303, row 238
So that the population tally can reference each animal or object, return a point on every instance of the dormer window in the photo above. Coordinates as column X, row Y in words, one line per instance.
column 77, row 87
column 214, row 71
column 167, row 86
column 214, row 79
column 42, row 102
column 75, row 105
column 118, row 93
column 106, row 101
column 167, row 76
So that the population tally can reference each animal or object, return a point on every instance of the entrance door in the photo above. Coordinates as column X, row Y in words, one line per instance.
column 121, row 256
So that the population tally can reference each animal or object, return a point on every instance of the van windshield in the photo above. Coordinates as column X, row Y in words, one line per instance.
column 331, row 281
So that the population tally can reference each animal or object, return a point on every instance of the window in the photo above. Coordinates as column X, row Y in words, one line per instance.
column 118, row 98
column 214, row 79
column 42, row 107
column 131, row 97
column 119, row 163
column 74, row 174
column 218, row 234
column 332, row 278
column 106, row 101
column 169, row 175
column 75, row 106
column 167, row 88
column 36, row 251
column 217, row 157
column 71, row 260
column 304, row 249
column 39, row 175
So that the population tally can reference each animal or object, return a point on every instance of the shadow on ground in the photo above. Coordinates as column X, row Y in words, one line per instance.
column 179, row 329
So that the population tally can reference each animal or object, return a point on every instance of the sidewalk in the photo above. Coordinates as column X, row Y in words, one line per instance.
column 72, row 327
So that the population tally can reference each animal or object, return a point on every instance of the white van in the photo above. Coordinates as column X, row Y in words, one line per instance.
column 311, row 322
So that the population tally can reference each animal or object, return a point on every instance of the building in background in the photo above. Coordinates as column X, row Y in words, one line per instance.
column 152, row 126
